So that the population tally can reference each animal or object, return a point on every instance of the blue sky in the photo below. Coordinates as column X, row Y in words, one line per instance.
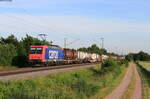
column 125, row 24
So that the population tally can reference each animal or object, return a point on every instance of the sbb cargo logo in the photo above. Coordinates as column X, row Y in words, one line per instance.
column 53, row 55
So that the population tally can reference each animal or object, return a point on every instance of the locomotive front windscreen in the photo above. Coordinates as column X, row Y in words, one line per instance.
column 35, row 50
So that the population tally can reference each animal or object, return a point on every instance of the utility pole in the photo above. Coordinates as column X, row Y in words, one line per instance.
column 102, row 40
column 65, row 42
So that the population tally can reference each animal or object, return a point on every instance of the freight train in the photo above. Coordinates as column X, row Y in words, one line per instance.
column 53, row 55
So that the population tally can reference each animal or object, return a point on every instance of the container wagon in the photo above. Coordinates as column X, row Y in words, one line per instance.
column 70, row 56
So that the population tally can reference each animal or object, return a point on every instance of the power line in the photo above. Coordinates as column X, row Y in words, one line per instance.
column 73, row 42
column 97, row 42
column 43, row 36
column 67, row 44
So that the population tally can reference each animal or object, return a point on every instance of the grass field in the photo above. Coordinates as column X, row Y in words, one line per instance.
column 146, row 65
column 76, row 84
column 144, row 68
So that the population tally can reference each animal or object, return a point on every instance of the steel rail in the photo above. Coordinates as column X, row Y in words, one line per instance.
column 27, row 70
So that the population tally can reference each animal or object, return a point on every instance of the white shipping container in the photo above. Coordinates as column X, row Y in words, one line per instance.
column 94, row 56
column 98, row 58
column 104, row 57
column 81, row 55
column 89, row 55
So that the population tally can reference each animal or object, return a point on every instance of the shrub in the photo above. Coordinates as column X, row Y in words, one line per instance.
column 110, row 65
column 109, row 62
column 126, row 62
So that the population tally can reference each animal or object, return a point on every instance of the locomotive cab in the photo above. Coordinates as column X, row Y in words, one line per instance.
column 37, row 54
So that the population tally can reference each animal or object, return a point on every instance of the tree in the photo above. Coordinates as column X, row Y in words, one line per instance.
column 7, row 53
column 141, row 56
column 10, row 40
column 93, row 49
column 29, row 40
column 129, row 57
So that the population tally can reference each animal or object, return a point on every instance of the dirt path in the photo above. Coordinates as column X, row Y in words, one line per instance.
column 137, row 93
column 119, row 91
column 122, row 87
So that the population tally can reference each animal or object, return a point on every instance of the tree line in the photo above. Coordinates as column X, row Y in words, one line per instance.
column 15, row 52
column 141, row 56
column 93, row 49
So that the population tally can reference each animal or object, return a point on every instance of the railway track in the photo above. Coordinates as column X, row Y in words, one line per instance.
column 37, row 69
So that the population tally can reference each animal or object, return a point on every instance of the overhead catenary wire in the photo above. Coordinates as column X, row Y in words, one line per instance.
column 70, row 43
column 73, row 41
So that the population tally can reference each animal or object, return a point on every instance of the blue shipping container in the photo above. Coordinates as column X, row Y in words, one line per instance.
column 52, row 54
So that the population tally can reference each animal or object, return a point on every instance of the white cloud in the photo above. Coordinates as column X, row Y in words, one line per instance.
column 68, row 24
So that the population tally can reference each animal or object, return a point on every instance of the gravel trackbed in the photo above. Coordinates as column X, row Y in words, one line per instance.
column 41, row 73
